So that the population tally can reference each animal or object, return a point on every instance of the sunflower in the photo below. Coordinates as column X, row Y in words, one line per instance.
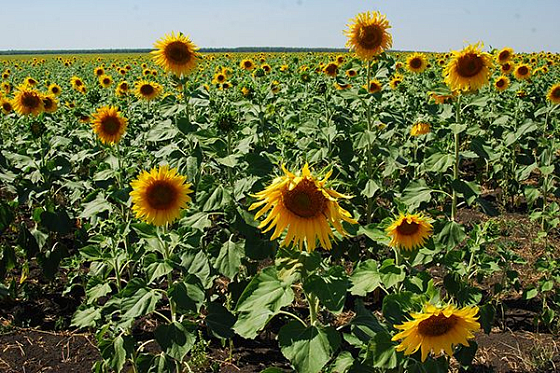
column 99, row 71
column 50, row 104
column 159, row 195
column 553, row 94
column 398, row 65
column 522, row 72
column 105, row 81
column 266, row 67
column 247, row 65
column 77, row 83
column 416, row 62
column 176, row 54
column 501, row 83
column 148, row 90
column 507, row 68
column 219, row 78
column 436, row 329
column 409, row 231
column 108, row 124
column 28, row 101
column 351, row 73
column 5, row 75
column 395, row 81
column 54, row 89
column 30, row 81
column 504, row 55
column 122, row 88
column 6, row 105
column 245, row 91
column 469, row 69
column 6, row 87
column 374, row 86
column 331, row 69
column 275, row 86
column 440, row 98
column 342, row 86
column 368, row 35
column 303, row 206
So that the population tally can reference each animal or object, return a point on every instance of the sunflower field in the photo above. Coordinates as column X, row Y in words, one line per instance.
column 368, row 211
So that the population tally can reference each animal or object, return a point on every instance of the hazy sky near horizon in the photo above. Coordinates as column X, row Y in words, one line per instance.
column 429, row 25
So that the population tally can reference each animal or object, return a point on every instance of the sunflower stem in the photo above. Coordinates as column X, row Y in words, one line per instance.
column 369, row 150
column 456, row 161
column 313, row 308
column 167, row 257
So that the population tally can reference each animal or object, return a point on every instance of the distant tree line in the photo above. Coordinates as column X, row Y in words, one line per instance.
column 203, row 50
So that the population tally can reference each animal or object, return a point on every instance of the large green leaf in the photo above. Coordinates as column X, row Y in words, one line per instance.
column 330, row 288
column 219, row 320
column 176, row 339
column 415, row 193
column 265, row 295
column 229, row 259
column 365, row 278
column 308, row 348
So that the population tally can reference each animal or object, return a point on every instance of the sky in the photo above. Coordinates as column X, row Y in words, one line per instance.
column 423, row 25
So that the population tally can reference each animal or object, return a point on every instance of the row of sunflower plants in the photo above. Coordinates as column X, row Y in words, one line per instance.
column 179, row 223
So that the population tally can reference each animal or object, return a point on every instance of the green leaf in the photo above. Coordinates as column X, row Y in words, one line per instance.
column 97, row 206
column 486, row 319
column 375, row 234
column 308, row 348
column 229, row 259
column 396, row 306
column 370, row 189
column 176, row 339
column 261, row 300
column 141, row 303
column 450, row 235
column 457, row 128
column 391, row 275
column 86, row 318
column 365, row 278
column 219, row 320
column 468, row 189
column 330, row 288
column 530, row 293
column 466, row 354
column 6, row 216
column 158, row 269
column 188, row 295
column 343, row 363
column 381, row 350
column 439, row 162
column 416, row 193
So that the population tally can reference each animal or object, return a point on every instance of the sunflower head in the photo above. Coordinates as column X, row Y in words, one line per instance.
column 351, row 73
column 409, row 231
column 304, row 206
column 50, row 103
column 331, row 69
column 105, row 81
column 437, row 329
column 420, row 128
column 522, row 72
column 176, row 53
column 468, row 70
column 416, row 62
column 159, row 196
column 501, row 83
column 6, row 105
column 54, row 89
column 28, row 101
column 368, row 35
column 146, row 90
column 108, row 124
column 395, row 81
column 30, row 81
column 99, row 71
column 506, row 68
column 505, row 55
column 374, row 86
column 553, row 94
column 247, row 64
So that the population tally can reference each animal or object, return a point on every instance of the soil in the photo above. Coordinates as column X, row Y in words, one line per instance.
column 35, row 334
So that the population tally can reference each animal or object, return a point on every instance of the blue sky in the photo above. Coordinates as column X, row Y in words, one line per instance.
column 430, row 25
